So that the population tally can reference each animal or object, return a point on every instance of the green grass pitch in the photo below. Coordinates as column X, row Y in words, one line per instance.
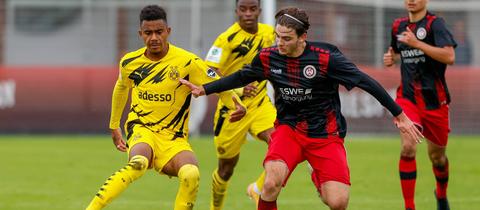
column 64, row 172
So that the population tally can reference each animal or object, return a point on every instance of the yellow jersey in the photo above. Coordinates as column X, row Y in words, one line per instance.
column 235, row 48
column 159, row 101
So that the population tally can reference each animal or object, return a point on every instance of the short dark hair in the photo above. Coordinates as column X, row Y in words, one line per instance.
column 293, row 17
column 153, row 12
column 236, row 2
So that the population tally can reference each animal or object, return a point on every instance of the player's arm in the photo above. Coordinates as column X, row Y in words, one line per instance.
column 201, row 74
column 347, row 74
column 392, row 55
column 444, row 54
column 119, row 100
column 217, row 57
column 247, row 75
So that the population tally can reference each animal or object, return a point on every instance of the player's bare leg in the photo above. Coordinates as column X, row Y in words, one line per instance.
column 335, row 194
column 408, row 170
column 254, row 189
column 276, row 171
column 184, row 165
column 440, row 167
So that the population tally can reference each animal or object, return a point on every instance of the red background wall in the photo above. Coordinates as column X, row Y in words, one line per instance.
column 77, row 99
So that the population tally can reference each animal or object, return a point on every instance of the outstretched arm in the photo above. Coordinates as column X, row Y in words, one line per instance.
column 403, row 123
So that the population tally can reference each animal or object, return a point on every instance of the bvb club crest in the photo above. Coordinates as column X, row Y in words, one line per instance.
column 173, row 74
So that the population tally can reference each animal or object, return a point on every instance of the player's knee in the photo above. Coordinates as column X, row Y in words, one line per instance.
column 408, row 151
column 438, row 160
column 138, row 166
column 337, row 204
column 225, row 172
column 189, row 174
column 271, row 187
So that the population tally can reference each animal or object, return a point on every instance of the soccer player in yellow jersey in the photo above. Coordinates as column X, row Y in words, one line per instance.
column 233, row 49
column 156, row 127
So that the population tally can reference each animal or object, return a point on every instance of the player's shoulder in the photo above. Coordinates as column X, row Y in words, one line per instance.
column 322, row 47
column 400, row 20
column 130, row 56
column 230, row 32
column 434, row 20
column 181, row 53
column 265, row 28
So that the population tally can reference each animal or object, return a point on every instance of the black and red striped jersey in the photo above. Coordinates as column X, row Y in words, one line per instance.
column 306, row 87
column 423, row 78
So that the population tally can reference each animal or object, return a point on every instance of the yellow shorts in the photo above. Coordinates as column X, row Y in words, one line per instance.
column 229, row 137
column 164, row 148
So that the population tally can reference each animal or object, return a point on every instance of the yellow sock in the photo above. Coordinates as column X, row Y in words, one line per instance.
column 118, row 182
column 219, row 190
column 189, row 177
column 259, row 182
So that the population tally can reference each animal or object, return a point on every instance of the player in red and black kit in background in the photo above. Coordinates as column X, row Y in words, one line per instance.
column 425, row 47
column 309, row 126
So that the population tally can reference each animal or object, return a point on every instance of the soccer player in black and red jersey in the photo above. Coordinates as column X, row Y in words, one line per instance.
column 425, row 47
column 306, row 77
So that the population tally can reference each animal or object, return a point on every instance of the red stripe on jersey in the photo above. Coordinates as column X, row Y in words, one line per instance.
column 302, row 126
column 417, row 89
column 294, row 70
column 323, row 58
column 430, row 19
column 441, row 92
column 331, row 127
column 396, row 24
column 400, row 91
column 265, row 58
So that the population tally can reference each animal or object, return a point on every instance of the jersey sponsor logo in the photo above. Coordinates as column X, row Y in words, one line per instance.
column 214, row 54
column 276, row 71
column 173, row 74
column 211, row 73
column 154, row 96
column 296, row 94
column 413, row 56
column 412, row 53
column 421, row 33
column 309, row 71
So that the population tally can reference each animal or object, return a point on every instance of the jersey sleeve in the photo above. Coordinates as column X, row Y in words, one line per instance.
column 343, row 70
column 248, row 74
column 393, row 39
column 218, row 53
column 441, row 34
column 201, row 73
column 119, row 98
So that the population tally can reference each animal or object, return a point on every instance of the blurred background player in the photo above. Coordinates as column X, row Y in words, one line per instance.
column 233, row 49
column 157, row 125
column 306, row 77
column 425, row 47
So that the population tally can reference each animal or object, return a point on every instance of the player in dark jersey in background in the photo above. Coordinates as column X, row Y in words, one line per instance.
column 306, row 77
column 425, row 47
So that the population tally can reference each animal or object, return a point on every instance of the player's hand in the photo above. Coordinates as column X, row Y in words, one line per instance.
column 118, row 140
column 407, row 37
column 389, row 57
column 406, row 126
column 196, row 90
column 239, row 113
column 250, row 90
